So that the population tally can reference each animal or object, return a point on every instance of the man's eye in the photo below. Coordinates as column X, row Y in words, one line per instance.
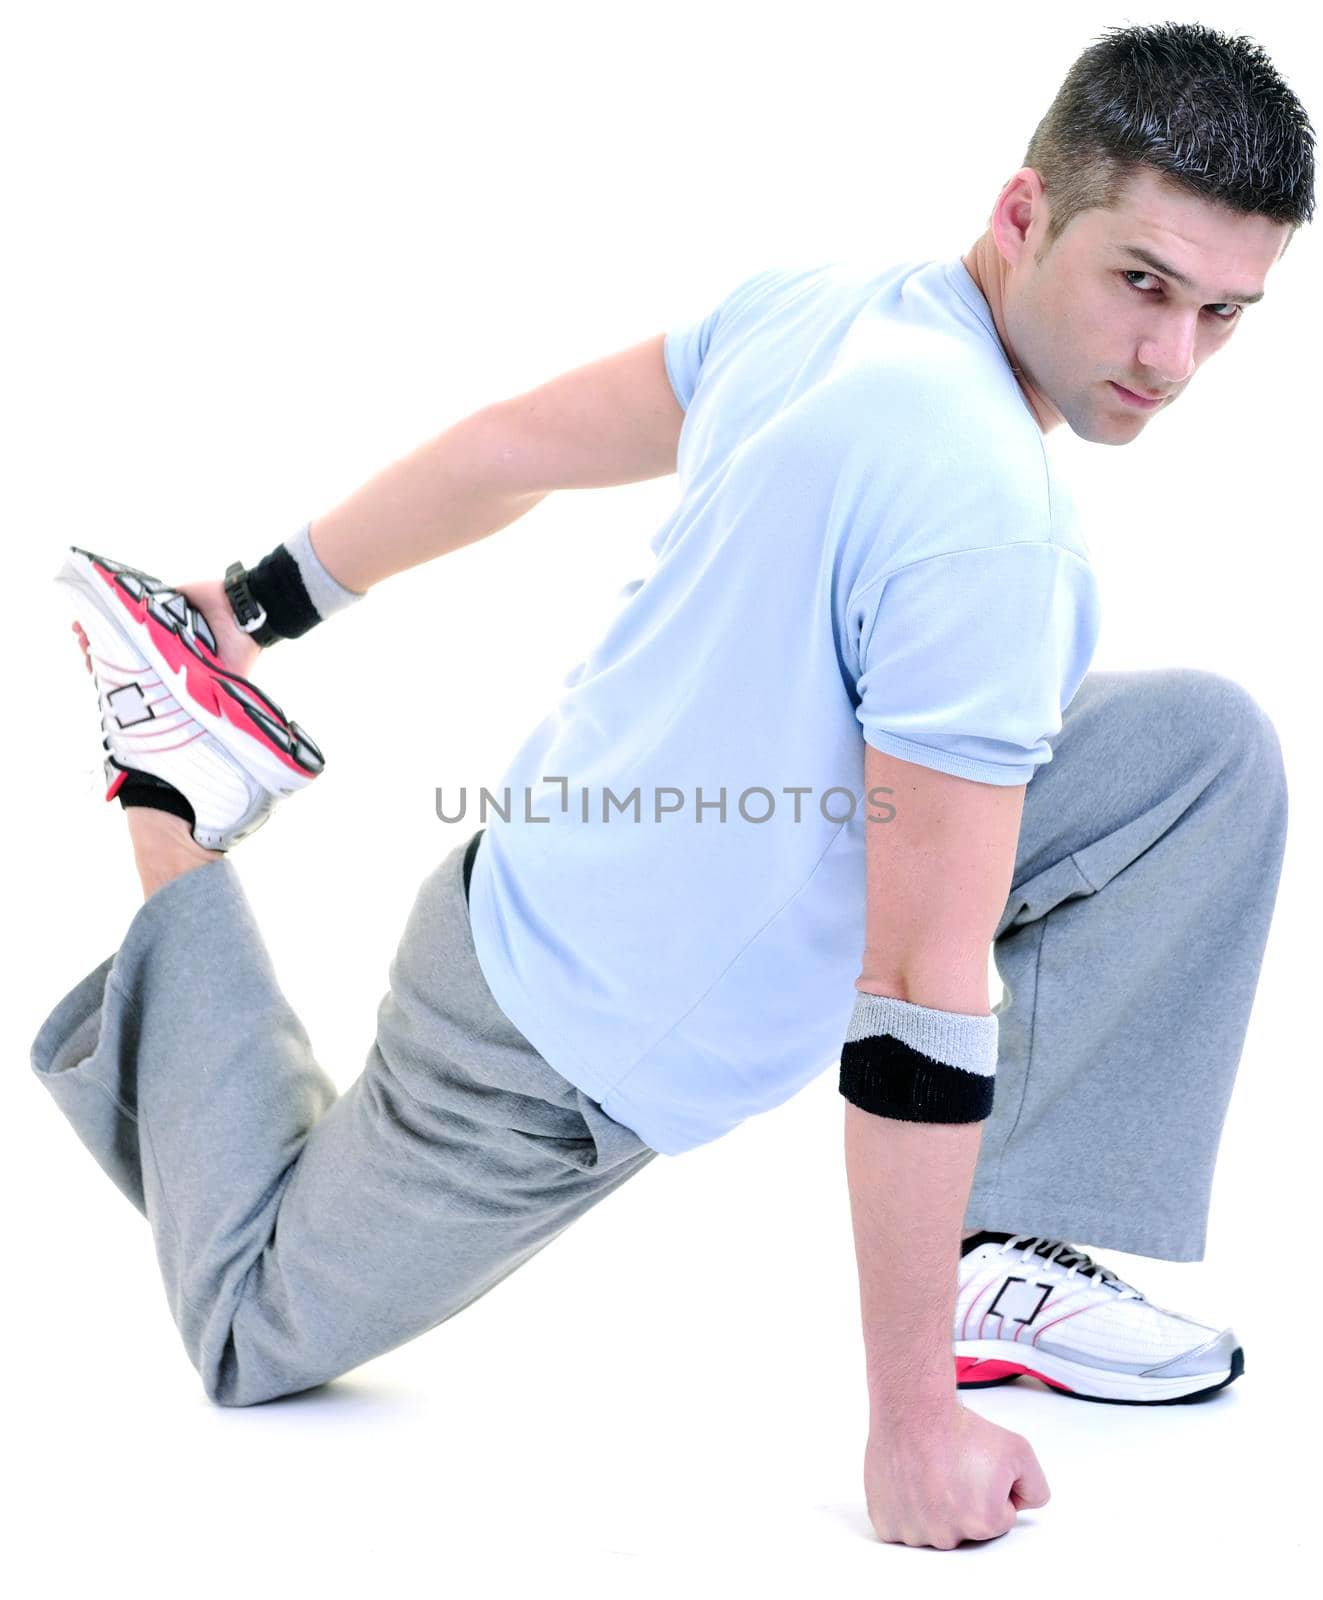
column 1135, row 273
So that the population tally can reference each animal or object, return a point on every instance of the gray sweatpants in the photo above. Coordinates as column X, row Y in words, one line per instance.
column 301, row 1232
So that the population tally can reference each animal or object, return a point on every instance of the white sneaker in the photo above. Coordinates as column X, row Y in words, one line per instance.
column 1042, row 1308
column 170, row 710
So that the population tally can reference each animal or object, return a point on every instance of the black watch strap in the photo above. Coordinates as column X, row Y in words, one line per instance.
column 247, row 612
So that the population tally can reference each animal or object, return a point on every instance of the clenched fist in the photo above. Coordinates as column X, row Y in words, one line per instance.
column 958, row 1478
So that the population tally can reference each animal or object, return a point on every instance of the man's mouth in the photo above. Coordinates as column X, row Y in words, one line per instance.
column 1142, row 402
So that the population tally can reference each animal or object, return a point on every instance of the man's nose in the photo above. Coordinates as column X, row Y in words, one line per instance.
column 1169, row 357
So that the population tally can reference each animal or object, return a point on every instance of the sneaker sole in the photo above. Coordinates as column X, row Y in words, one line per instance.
column 983, row 1364
column 246, row 723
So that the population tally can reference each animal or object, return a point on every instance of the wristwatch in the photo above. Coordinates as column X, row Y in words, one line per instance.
column 247, row 612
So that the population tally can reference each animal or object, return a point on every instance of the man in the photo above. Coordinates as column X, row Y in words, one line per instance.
column 870, row 612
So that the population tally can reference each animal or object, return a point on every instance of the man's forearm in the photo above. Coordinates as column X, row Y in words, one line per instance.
column 444, row 494
column 909, row 1187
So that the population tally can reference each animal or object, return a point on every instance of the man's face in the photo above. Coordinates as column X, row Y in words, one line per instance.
column 1093, row 314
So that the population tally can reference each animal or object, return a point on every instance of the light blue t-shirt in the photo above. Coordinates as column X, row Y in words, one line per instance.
column 869, row 543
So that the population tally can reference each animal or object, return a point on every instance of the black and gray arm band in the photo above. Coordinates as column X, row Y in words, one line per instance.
column 918, row 1064
column 286, row 593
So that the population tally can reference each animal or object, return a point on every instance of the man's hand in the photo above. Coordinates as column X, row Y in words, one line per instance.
column 961, row 1477
column 238, row 651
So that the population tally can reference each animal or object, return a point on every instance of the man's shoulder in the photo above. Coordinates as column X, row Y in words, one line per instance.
column 934, row 416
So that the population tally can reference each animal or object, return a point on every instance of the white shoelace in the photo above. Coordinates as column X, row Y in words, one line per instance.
column 1033, row 1246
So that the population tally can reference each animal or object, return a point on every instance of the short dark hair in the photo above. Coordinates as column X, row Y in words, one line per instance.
column 1205, row 109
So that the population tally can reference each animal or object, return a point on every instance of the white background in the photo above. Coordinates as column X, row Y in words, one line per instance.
column 253, row 254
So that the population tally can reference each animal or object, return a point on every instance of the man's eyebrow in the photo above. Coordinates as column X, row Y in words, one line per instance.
column 1152, row 262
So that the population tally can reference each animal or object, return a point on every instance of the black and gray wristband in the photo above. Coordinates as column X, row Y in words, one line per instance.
column 918, row 1064
column 286, row 593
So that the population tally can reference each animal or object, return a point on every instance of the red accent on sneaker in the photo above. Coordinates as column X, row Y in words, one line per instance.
column 979, row 1369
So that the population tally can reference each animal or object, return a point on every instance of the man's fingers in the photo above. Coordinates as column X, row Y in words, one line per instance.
column 1030, row 1490
column 83, row 644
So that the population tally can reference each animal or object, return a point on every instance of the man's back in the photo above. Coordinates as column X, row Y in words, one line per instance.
column 867, row 540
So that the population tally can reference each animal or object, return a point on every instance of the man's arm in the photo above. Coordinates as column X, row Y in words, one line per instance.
column 613, row 421
column 939, row 873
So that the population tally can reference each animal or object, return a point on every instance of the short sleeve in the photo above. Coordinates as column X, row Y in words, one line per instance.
column 685, row 346
column 969, row 659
